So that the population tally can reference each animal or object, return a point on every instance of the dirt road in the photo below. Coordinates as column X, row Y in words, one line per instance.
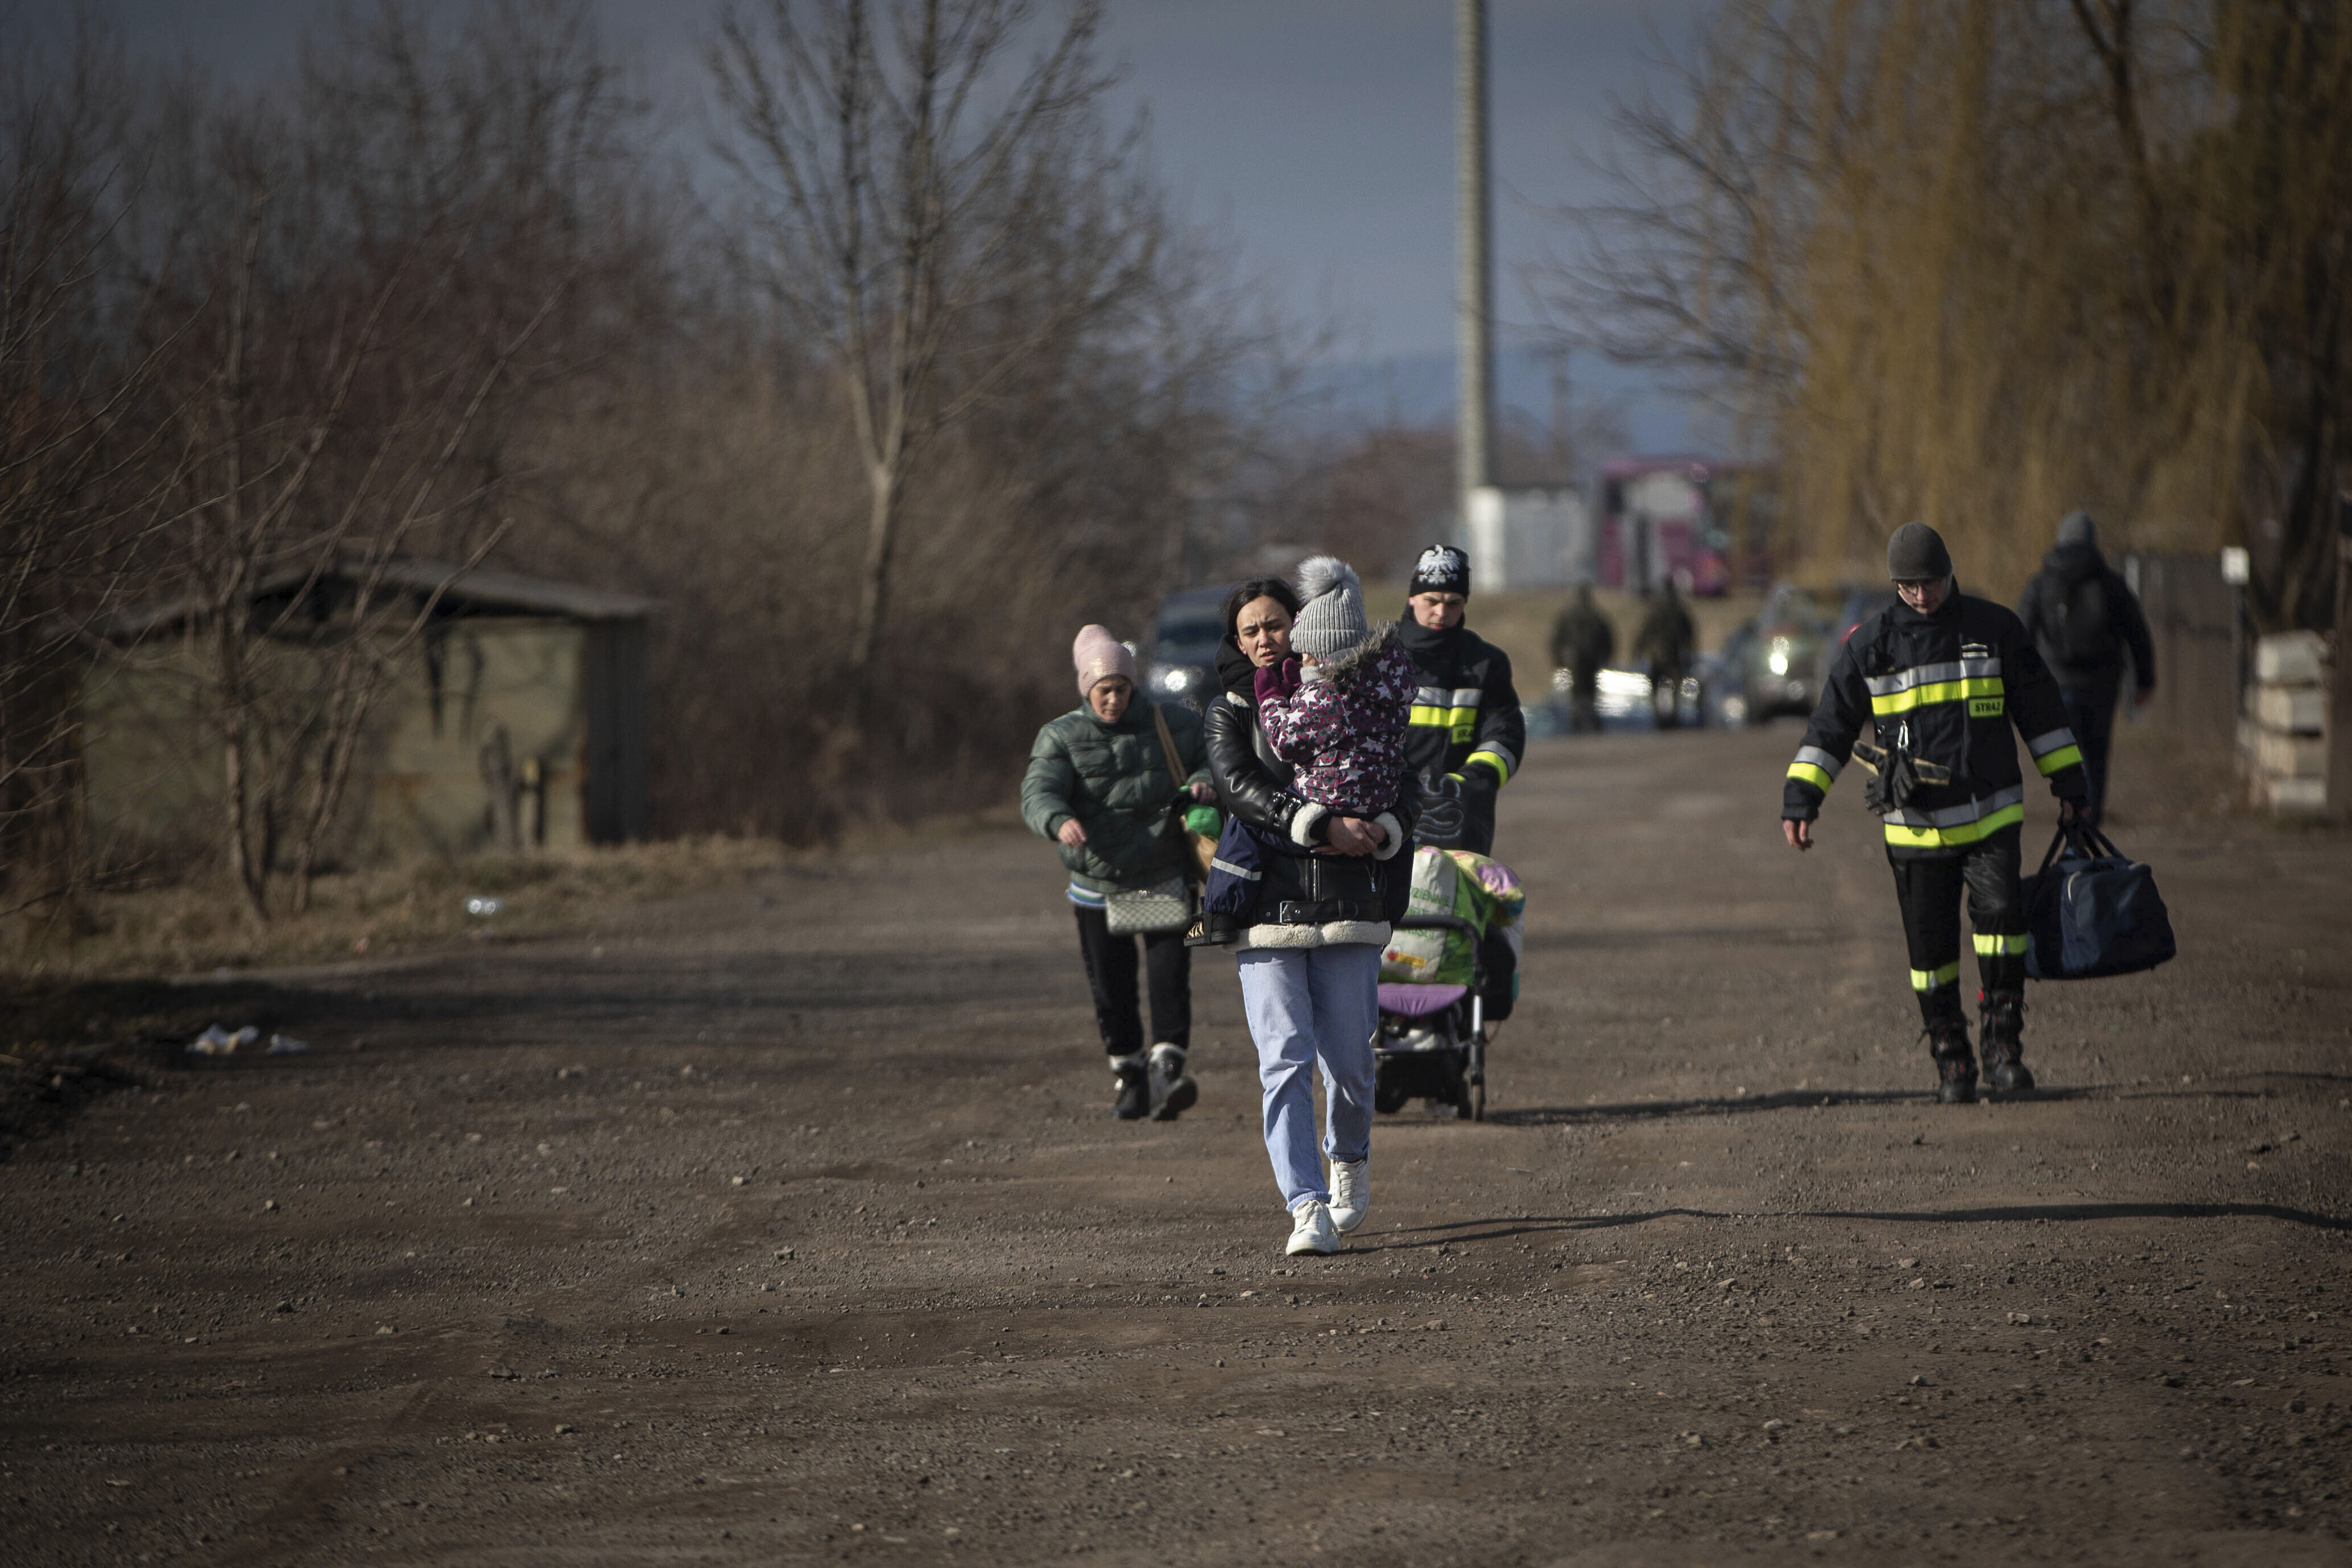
column 787, row 1225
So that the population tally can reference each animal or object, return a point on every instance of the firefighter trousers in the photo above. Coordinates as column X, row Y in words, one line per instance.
column 1929, row 889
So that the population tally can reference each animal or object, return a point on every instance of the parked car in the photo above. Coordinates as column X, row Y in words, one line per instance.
column 1184, row 660
column 1861, row 603
column 1722, row 678
column 1776, row 664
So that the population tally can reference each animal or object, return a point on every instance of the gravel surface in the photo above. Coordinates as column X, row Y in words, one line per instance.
column 788, row 1224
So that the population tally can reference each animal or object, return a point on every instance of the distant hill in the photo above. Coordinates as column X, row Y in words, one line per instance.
column 1418, row 389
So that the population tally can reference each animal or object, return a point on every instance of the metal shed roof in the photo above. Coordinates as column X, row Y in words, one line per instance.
column 483, row 591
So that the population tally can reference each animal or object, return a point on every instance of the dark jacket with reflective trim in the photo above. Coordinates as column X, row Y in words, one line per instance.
column 1947, row 687
column 1466, row 710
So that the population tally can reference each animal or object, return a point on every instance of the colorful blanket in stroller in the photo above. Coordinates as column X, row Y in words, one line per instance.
column 1472, row 887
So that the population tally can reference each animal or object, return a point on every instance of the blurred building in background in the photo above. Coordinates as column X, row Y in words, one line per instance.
column 1528, row 535
column 512, row 718
column 1709, row 526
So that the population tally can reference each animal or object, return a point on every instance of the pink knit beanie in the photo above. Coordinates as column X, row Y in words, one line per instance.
column 1098, row 656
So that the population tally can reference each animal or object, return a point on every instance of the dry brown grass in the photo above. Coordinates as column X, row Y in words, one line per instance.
column 200, row 926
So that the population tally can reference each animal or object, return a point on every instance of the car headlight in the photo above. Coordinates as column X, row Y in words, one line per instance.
column 1778, row 662
column 1175, row 679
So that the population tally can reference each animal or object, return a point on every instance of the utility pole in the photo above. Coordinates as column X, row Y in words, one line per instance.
column 1473, row 437
column 1563, row 444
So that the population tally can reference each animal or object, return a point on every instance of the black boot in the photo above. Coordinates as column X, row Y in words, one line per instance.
column 2001, row 1015
column 1133, row 1075
column 1172, row 1090
column 1956, row 1064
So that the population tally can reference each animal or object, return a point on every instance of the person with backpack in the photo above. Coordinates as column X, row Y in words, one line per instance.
column 2084, row 619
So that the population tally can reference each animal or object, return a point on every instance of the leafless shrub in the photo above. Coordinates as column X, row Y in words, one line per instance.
column 435, row 293
column 349, row 273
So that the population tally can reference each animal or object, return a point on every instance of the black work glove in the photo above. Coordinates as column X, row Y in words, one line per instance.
column 1873, row 792
column 1480, row 788
column 1889, row 789
column 1442, row 816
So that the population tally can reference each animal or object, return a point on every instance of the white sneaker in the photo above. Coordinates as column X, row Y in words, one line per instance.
column 1310, row 1229
column 1351, row 1192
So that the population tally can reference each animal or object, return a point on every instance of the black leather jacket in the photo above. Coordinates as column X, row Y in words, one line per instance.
column 1300, row 886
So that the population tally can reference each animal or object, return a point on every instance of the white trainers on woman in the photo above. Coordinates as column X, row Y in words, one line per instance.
column 1351, row 1192
column 1310, row 1229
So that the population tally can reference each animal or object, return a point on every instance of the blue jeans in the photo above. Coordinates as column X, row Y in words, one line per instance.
column 1306, row 1005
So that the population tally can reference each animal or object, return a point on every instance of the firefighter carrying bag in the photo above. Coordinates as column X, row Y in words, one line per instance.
column 2091, row 912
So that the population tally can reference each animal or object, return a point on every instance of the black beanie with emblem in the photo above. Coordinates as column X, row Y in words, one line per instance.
column 1441, row 569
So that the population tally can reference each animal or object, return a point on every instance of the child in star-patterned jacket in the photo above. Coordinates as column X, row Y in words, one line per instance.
column 1337, row 710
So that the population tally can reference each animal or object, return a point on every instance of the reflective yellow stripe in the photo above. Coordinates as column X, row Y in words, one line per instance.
column 1928, row 979
column 1442, row 717
column 1937, row 691
column 1947, row 837
column 1816, row 776
column 2064, row 757
column 1494, row 760
column 1994, row 946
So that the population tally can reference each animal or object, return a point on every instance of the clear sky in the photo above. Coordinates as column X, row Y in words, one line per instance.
column 1318, row 134
column 1322, row 132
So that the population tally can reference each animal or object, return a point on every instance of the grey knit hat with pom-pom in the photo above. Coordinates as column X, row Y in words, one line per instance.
column 1332, row 621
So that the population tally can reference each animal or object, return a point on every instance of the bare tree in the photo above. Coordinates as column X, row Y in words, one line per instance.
column 360, row 267
column 1983, row 261
column 429, row 296
column 902, row 189
column 76, row 492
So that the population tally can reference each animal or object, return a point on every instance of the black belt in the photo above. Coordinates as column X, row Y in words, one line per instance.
column 1323, row 910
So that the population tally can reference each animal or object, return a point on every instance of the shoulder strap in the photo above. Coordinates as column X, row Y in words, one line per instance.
column 1176, row 768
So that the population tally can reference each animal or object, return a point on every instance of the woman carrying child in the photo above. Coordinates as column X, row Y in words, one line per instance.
column 1306, row 751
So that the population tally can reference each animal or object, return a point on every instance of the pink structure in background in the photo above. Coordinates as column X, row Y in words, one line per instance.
column 1706, row 525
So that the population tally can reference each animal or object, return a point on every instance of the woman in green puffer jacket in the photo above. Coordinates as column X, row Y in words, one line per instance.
column 1100, row 786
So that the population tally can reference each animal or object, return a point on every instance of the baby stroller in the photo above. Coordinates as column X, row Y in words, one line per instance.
column 1450, row 974
column 1433, row 1040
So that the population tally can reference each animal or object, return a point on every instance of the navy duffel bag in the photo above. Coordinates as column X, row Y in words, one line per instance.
column 2091, row 912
